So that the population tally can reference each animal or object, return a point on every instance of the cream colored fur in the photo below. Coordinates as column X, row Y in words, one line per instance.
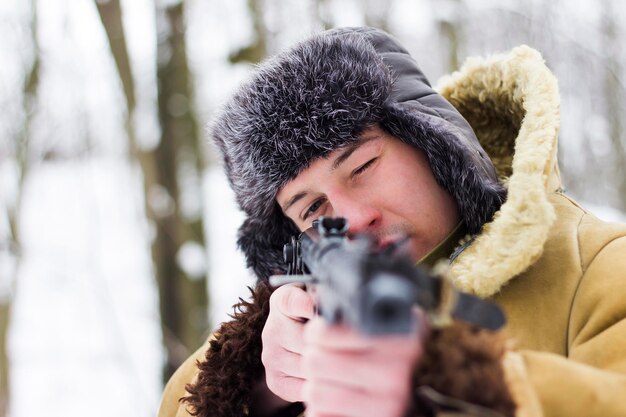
column 516, row 376
column 512, row 102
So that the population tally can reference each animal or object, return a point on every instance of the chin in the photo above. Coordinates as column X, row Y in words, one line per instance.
column 413, row 252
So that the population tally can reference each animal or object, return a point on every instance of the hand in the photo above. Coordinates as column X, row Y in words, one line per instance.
column 349, row 374
column 283, row 341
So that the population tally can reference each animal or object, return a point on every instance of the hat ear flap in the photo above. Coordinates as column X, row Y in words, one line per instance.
column 262, row 241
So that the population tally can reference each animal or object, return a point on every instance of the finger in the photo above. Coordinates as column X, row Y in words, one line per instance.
column 293, row 302
column 289, row 364
column 336, row 337
column 376, row 373
column 288, row 388
column 329, row 399
column 281, row 332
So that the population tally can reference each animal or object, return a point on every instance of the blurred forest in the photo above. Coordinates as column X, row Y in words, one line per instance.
column 114, row 260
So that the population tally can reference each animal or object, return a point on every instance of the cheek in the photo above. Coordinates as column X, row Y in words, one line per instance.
column 414, row 196
column 401, row 187
column 397, row 197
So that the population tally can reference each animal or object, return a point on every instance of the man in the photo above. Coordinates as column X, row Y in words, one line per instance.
column 345, row 124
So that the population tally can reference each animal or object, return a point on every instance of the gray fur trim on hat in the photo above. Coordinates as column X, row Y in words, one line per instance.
column 319, row 96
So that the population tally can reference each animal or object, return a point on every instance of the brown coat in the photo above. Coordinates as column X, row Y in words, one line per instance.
column 558, row 272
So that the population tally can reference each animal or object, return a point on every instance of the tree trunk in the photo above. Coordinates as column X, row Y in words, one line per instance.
column 183, row 299
column 257, row 50
column 184, row 302
column 111, row 16
column 450, row 28
column 31, row 84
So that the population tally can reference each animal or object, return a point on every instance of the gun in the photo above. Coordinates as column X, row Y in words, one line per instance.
column 371, row 290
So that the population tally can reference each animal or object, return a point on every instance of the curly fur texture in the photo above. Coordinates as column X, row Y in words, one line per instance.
column 465, row 363
column 232, row 364
column 319, row 96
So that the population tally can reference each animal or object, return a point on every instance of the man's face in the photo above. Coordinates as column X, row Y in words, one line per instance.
column 383, row 186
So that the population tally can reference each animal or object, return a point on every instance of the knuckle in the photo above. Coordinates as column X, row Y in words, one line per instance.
column 269, row 328
column 270, row 354
column 284, row 299
column 276, row 297
column 268, row 339
column 287, row 390
column 266, row 358
column 293, row 393
column 293, row 301
column 273, row 384
column 289, row 301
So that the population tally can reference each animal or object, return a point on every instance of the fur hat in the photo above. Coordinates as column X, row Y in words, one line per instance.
column 319, row 96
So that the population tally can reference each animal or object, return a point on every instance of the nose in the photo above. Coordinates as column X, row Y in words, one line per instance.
column 362, row 215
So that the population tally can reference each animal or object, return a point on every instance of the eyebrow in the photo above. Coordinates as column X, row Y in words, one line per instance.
column 293, row 200
column 349, row 150
column 343, row 156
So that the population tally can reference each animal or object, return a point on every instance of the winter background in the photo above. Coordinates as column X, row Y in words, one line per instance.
column 82, row 328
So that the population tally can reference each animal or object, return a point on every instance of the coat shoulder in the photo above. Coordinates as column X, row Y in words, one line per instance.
column 589, row 234
column 171, row 405
column 597, row 236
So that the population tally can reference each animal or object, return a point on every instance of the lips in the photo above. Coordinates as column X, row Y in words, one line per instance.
column 396, row 244
column 386, row 243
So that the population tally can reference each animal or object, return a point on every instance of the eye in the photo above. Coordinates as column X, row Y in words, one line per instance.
column 312, row 208
column 363, row 167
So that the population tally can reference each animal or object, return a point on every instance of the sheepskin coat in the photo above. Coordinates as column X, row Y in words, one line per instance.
column 558, row 272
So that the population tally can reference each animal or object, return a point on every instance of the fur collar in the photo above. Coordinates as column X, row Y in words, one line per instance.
column 512, row 102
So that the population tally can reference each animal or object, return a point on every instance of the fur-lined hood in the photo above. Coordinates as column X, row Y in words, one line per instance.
column 512, row 102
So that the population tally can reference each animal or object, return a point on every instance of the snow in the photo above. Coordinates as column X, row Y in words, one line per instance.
column 86, row 330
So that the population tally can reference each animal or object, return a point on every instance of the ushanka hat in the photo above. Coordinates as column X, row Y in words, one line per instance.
column 319, row 96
